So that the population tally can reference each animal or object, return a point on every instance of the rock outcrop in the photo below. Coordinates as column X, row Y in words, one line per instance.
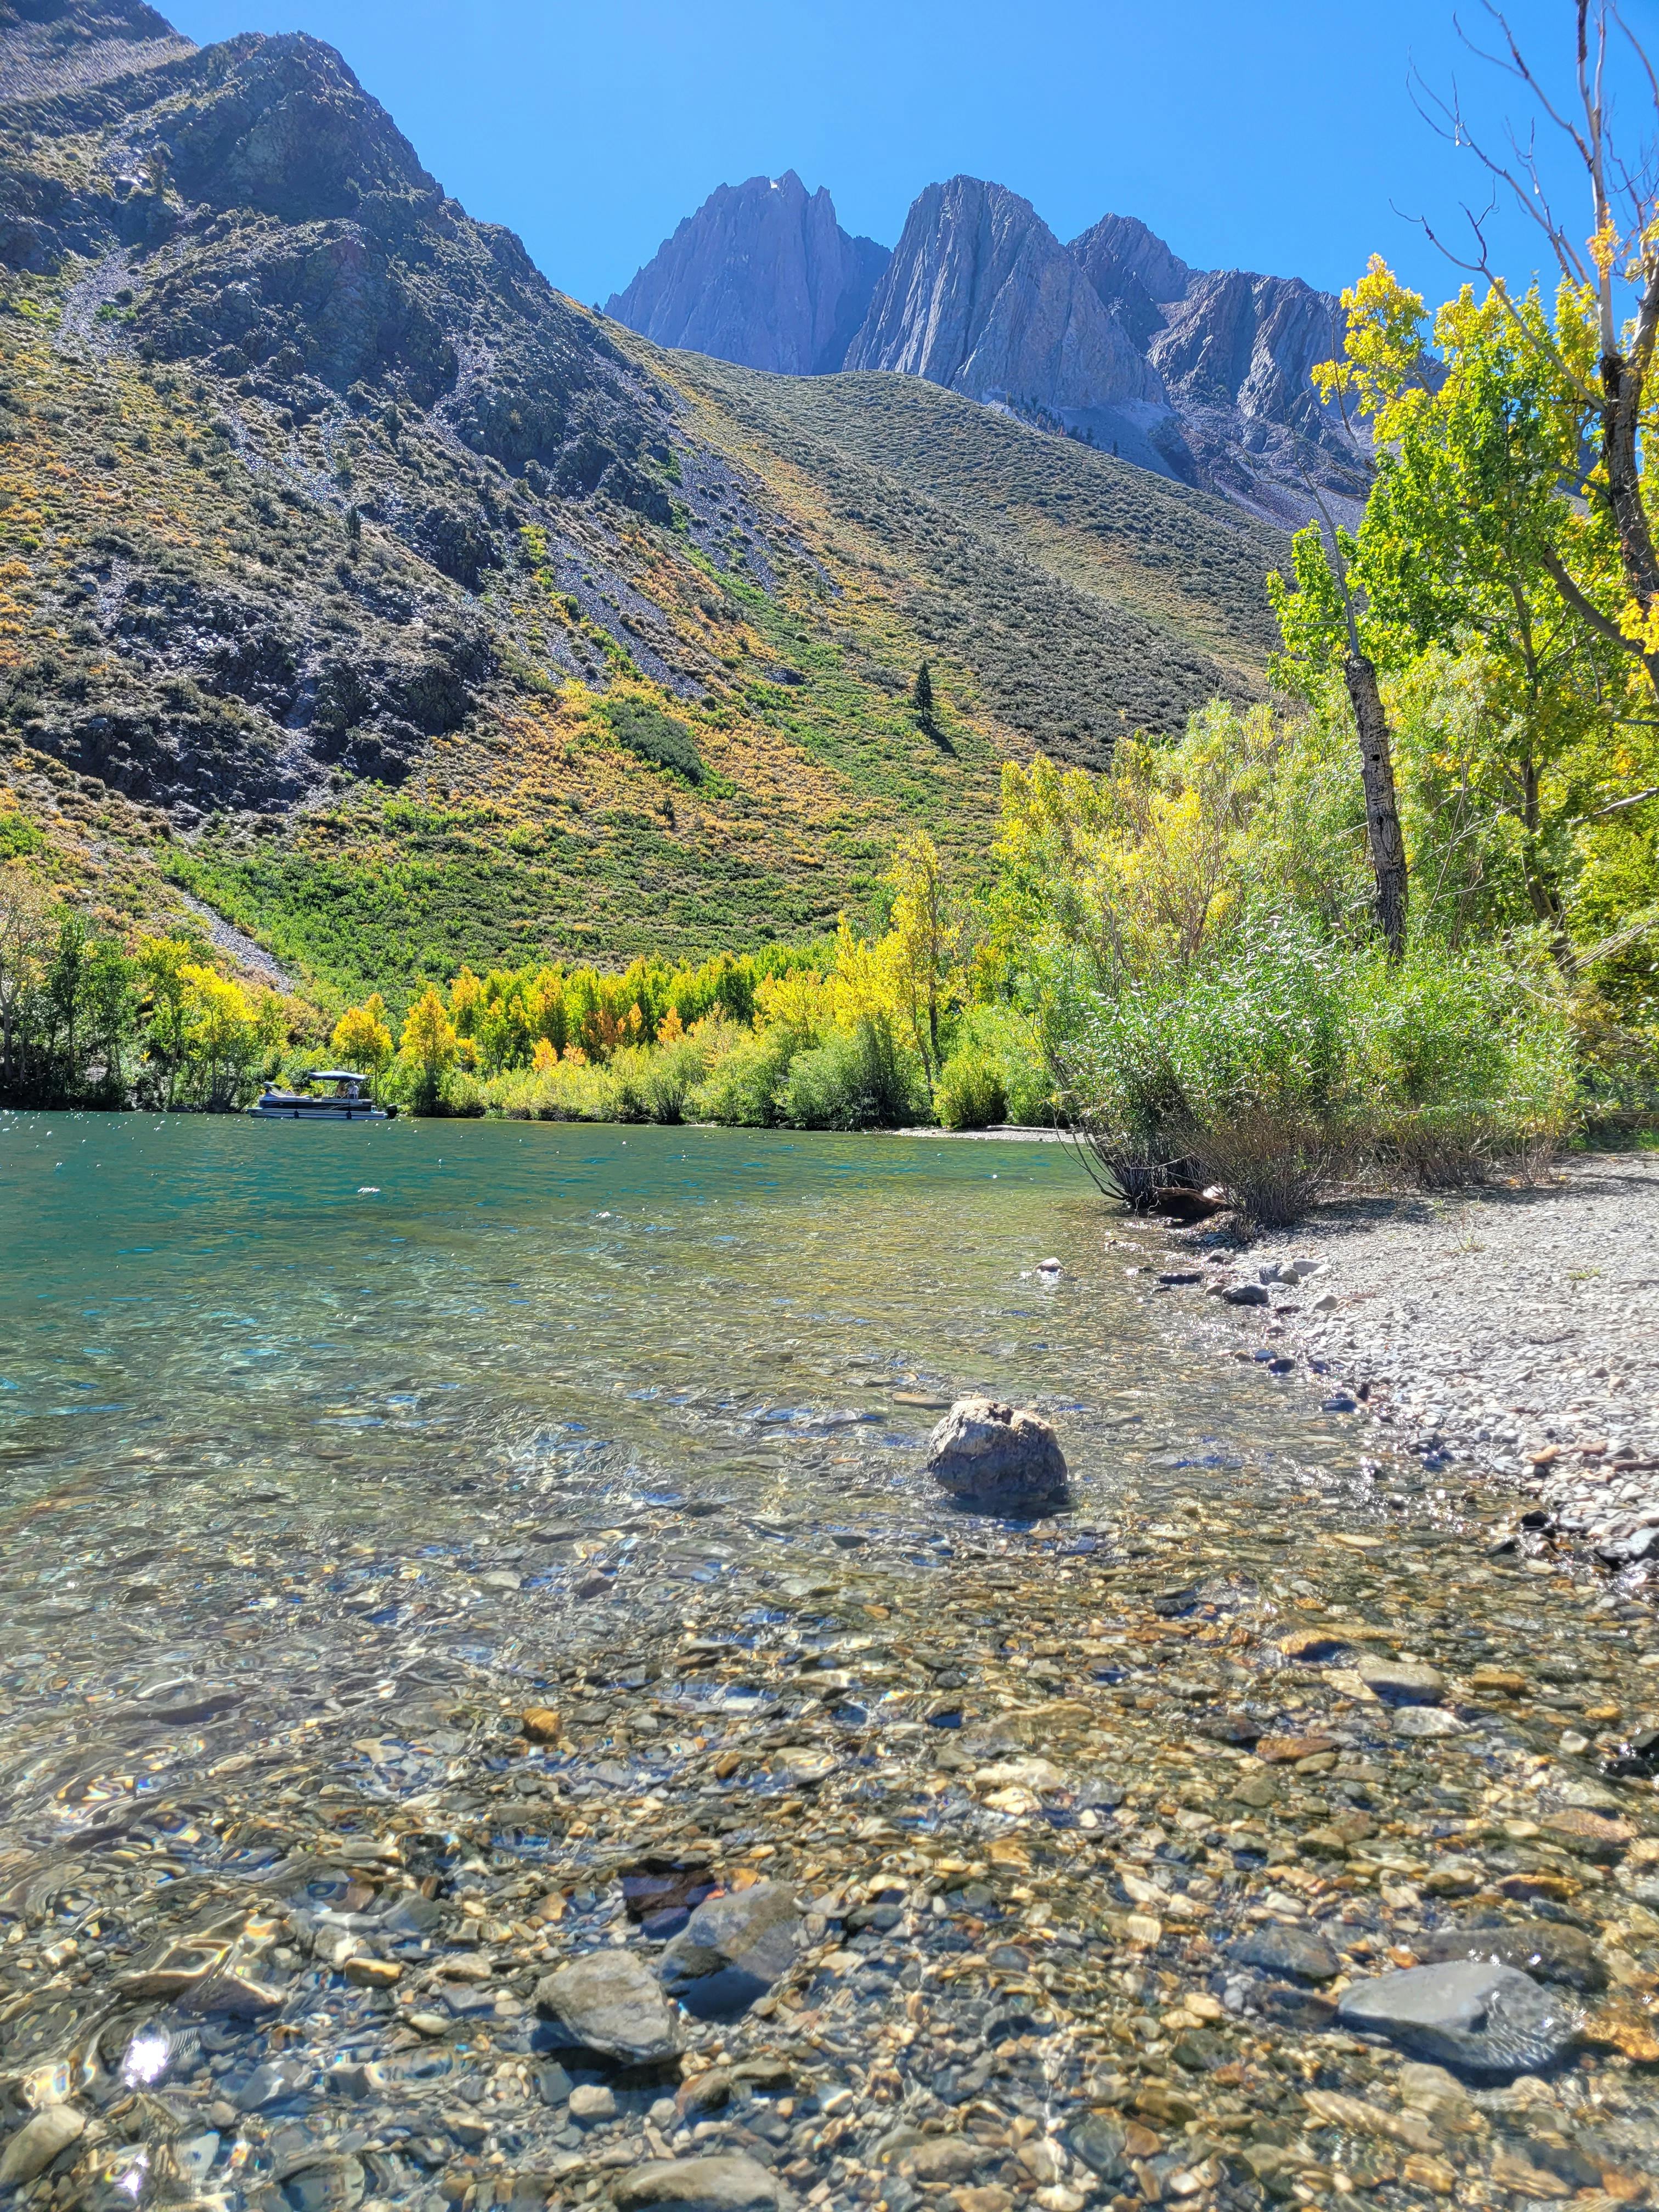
column 762, row 274
column 980, row 295
column 247, row 212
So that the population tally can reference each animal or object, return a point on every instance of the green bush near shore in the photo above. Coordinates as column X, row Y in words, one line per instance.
column 1287, row 1062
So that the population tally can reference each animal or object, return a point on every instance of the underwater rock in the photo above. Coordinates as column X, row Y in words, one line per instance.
column 734, row 2184
column 732, row 1950
column 608, row 2002
column 1490, row 2019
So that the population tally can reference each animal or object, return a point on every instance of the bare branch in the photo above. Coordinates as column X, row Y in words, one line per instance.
column 1603, row 625
column 1518, row 66
column 1619, row 805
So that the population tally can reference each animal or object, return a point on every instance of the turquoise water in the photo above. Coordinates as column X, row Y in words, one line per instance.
column 277, row 1403
column 562, row 1310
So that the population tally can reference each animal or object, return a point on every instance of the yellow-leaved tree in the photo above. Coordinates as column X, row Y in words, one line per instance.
column 363, row 1037
column 920, row 955
column 228, row 1031
column 428, row 1047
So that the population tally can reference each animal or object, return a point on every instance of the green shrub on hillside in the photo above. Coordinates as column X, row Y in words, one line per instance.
column 655, row 736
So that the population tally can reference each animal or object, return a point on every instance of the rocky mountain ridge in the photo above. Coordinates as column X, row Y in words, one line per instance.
column 362, row 588
column 1200, row 374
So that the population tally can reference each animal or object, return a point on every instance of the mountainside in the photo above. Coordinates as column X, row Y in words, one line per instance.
column 762, row 275
column 361, row 588
column 1198, row 375
column 1233, row 355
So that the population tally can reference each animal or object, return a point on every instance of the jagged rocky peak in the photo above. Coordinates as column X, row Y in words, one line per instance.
column 1201, row 374
column 280, row 124
column 980, row 295
column 1120, row 251
column 1134, row 272
column 762, row 274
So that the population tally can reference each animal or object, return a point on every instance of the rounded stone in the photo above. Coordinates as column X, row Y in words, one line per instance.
column 733, row 2183
column 1277, row 1949
column 997, row 1456
column 609, row 2002
column 38, row 2142
column 1402, row 1682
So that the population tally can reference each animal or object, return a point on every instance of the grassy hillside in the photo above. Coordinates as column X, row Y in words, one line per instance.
column 363, row 588
column 1179, row 573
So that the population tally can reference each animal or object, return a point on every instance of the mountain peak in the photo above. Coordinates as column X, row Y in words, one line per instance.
column 980, row 295
column 762, row 274
column 1198, row 375
column 1120, row 250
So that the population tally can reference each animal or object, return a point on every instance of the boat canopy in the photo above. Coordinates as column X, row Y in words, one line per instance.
column 333, row 1075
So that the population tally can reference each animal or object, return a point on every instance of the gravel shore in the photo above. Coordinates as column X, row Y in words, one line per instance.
column 1514, row 1333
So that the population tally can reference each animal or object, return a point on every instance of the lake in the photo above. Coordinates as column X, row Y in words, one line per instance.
column 328, row 1454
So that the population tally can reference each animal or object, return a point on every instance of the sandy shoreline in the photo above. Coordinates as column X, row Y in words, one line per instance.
column 1511, row 1333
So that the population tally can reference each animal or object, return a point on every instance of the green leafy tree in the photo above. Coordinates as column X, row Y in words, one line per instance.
column 1482, row 543
column 1327, row 629
column 111, row 997
column 65, row 998
column 25, row 937
column 1594, row 357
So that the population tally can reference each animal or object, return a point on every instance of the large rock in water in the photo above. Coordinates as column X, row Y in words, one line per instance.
column 608, row 2002
column 1546, row 1949
column 38, row 2142
column 732, row 1950
column 732, row 2184
column 1486, row 2018
column 997, row 1456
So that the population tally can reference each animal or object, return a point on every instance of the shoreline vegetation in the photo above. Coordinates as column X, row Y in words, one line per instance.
column 1175, row 962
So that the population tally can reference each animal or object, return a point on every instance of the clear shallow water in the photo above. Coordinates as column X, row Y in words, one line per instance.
column 275, row 1401
column 329, row 1458
column 567, row 1312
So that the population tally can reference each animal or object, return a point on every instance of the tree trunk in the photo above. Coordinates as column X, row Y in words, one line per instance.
column 1622, row 390
column 1381, row 807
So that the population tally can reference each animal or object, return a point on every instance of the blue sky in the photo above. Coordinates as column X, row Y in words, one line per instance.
column 1277, row 136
